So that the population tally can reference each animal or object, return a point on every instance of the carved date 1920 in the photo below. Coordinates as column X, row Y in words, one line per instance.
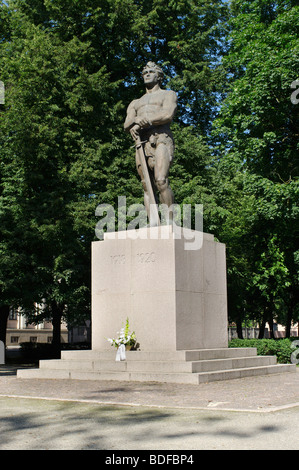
column 143, row 258
column 149, row 257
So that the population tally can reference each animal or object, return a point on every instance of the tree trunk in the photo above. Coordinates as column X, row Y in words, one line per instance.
column 56, row 322
column 289, row 316
column 271, row 326
column 288, row 324
column 4, row 312
column 239, row 329
column 262, row 325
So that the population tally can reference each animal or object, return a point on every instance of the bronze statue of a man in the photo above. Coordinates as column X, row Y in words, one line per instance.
column 148, row 120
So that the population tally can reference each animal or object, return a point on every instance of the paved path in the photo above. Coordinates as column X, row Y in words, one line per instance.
column 249, row 413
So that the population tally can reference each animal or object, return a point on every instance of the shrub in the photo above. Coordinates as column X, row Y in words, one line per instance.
column 281, row 348
column 37, row 351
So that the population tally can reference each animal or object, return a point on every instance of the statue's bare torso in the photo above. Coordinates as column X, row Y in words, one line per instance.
column 152, row 106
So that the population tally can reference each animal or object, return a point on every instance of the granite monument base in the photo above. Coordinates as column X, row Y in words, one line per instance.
column 170, row 283
column 175, row 299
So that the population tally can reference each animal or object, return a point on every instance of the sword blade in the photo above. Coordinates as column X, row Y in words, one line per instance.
column 154, row 213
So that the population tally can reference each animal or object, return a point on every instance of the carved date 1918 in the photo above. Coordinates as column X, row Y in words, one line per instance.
column 118, row 259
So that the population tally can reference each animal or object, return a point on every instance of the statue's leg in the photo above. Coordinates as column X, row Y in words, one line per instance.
column 161, row 171
column 162, row 165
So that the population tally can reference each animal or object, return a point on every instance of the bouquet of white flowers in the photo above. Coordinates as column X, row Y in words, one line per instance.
column 124, row 338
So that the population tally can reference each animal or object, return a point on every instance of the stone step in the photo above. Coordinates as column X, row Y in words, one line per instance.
column 138, row 376
column 158, row 366
column 246, row 372
column 189, row 355
column 192, row 366
column 232, row 363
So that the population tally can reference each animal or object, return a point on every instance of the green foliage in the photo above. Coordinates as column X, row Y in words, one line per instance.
column 281, row 348
column 256, row 146
column 122, row 35
column 258, row 121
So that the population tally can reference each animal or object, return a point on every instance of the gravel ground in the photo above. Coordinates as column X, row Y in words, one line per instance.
column 243, row 414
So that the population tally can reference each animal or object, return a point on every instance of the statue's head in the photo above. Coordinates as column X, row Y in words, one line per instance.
column 153, row 68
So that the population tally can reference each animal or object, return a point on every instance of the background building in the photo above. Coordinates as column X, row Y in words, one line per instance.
column 18, row 331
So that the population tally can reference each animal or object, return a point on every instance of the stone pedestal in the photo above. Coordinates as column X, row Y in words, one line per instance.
column 173, row 290
column 171, row 286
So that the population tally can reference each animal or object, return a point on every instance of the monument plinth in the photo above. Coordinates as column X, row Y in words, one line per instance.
column 174, row 296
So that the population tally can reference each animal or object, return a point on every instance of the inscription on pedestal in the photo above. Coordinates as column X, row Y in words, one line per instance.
column 118, row 259
column 149, row 257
